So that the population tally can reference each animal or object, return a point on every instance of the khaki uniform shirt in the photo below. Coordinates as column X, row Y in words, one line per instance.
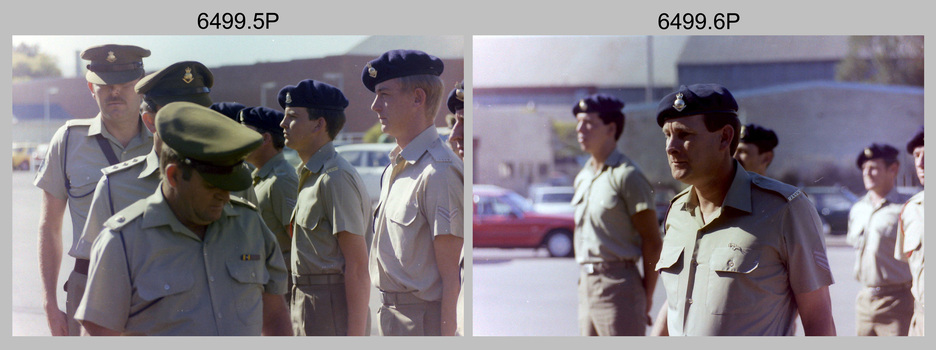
column 276, row 184
column 122, row 184
column 152, row 275
column 737, row 273
column 84, row 163
column 332, row 199
column 872, row 230
column 909, row 245
column 421, row 196
column 604, row 203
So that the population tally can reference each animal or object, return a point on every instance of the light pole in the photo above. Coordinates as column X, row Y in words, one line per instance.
column 263, row 89
column 49, row 92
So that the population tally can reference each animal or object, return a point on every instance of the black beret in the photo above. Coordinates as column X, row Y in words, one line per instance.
column 764, row 138
column 598, row 103
column 696, row 99
column 182, row 81
column 916, row 141
column 456, row 98
column 263, row 118
column 399, row 63
column 229, row 109
column 114, row 64
column 877, row 150
column 314, row 95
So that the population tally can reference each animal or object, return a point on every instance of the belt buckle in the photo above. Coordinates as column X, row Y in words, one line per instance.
column 589, row 268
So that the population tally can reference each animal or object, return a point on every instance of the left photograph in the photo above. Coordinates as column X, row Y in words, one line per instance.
column 282, row 185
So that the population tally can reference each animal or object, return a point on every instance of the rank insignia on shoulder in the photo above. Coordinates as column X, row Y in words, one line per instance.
column 249, row 257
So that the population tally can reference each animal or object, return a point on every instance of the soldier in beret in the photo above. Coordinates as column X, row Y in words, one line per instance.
column 127, row 182
column 456, row 105
column 755, row 151
column 332, row 216
column 885, row 304
column 615, row 225
column 274, row 179
column 189, row 259
column 909, row 245
column 742, row 253
column 232, row 110
column 419, row 220
column 77, row 153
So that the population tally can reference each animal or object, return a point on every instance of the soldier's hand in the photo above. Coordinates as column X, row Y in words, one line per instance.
column 58, row 323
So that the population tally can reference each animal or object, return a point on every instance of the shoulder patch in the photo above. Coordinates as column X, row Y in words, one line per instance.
column 243, row 202
column 329, row 170
column 126, row 215
column 440, row 153
column 789, row 192
column 123, row 166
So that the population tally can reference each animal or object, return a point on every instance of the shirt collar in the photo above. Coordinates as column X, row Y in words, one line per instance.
column 269, row 166
column 738, row 196
column 152, row 165
column 419, row 145
column 97, row 127
column 159, row 213
column 317, row 161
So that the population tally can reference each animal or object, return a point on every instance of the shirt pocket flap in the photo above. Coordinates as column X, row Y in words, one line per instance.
column 669, row 256
column 157, row 286
column 403, row 214
column 737, row 260
column 251, row 271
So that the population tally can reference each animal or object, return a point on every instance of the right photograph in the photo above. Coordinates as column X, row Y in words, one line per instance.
column 697, row 185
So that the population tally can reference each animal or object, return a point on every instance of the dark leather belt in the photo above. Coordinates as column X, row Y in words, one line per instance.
column 81, row 266
column 601, row 267
column 889, row 289
column 306, row 280
column 406, row 298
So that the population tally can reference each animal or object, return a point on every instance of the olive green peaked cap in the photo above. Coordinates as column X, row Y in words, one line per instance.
column 182, row 81
column 114, row 64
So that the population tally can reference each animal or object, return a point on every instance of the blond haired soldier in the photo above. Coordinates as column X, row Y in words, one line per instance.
column 72, row 167
column 418, row 225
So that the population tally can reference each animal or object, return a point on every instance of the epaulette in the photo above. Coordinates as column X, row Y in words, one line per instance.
column 789, row 192
column 78, row 122
column 123, row 166
column 240, row 201
column 334, row 168
column 125, row 216
column 680, row 194
column 440, row 153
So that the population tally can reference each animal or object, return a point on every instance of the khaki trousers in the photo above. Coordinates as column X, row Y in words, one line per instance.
column 402, row 314
column 884, row 311
column 75, row 288
column 612, row 301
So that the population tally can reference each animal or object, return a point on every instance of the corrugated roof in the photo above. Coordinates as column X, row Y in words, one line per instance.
column 444, row 47
column 602, row 61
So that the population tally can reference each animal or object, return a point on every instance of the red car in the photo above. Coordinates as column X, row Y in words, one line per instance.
column 503, row 219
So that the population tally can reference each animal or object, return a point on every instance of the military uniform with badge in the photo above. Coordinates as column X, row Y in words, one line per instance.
column 158, row 269
column 456, row 105
column 743, row 268
column 331, row 219
column 127, row 182
column 420, row 206
column 81, row 148
column 232, row 110
column 884, row 305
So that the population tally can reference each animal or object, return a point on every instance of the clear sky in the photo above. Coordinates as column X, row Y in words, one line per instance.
column 211, row 50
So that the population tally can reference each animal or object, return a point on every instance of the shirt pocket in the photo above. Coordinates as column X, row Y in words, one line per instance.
column 731, row 289
column 156, row 286
column 250, row 276
column 669, row 266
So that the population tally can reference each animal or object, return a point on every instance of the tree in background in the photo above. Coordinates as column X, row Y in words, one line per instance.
column 890, row 60
column 29, row 63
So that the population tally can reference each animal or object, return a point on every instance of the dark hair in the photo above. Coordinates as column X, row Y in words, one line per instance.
column 334, row 120
column 616, row 117
column 715, row 121
column 167, row 156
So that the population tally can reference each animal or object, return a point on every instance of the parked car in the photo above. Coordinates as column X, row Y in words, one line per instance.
column 552, row 199
column 833, row 204
column 369, row 159
column 22, row 154
column 503, row 219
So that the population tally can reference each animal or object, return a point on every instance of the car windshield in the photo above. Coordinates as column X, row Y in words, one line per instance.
column 556, row 198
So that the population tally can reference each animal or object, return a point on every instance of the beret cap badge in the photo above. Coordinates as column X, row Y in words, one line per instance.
column 188, row 77
column 868, row 153
column 460, row 94
column 288, row 98
column 110, row 57
column 371, row 71
column 743, row 131
column 679, row 104
column 583, row 106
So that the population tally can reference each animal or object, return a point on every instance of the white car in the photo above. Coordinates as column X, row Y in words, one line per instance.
column 369, row 159
column 552, row 199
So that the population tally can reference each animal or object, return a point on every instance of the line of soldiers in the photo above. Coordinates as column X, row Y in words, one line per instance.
column 741, row 253
column 188, row 220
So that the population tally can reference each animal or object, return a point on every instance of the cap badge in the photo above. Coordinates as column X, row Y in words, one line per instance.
column 743, row 131
column 187, row 77
column 460, row 92
column 583, row 106
column 371, row 71
column 868, row 153
column 679, row 104
column 110, row 57
column 288, row 98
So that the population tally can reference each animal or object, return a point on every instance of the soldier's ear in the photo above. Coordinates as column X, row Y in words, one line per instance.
column 727, row 134
column 419, row 96
column 173, row 174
